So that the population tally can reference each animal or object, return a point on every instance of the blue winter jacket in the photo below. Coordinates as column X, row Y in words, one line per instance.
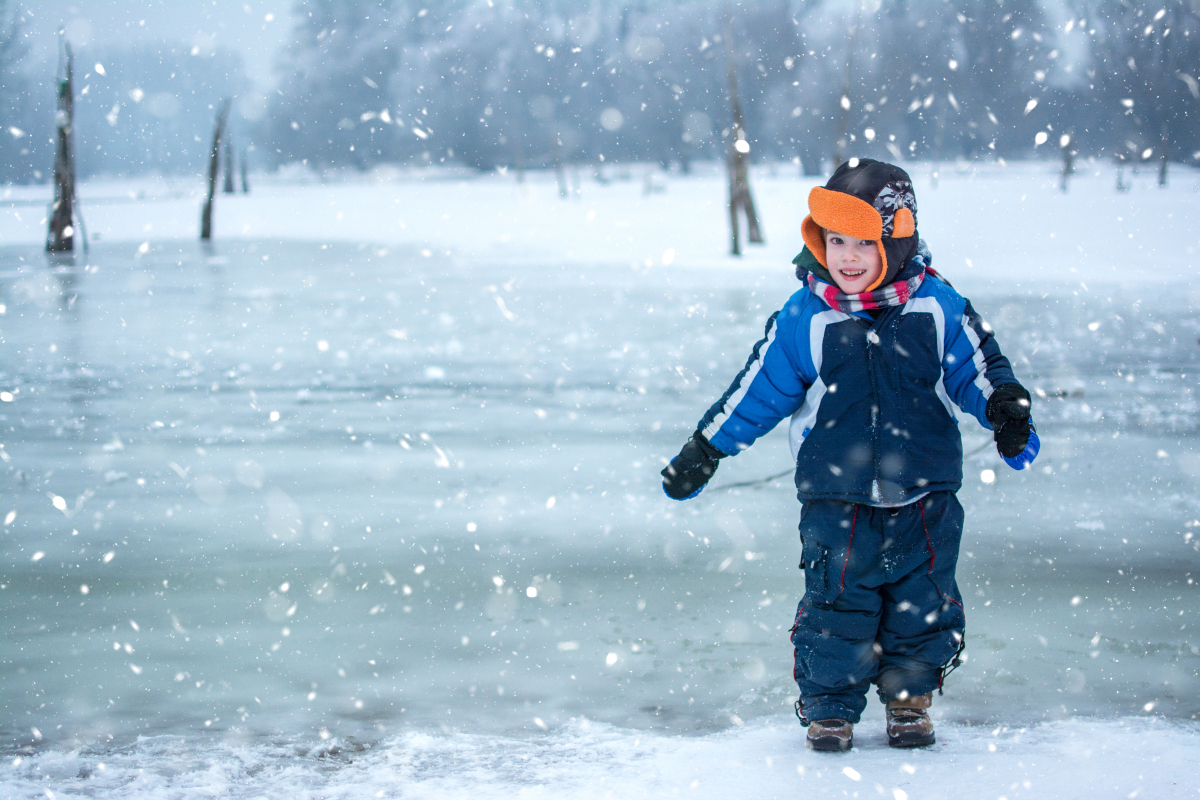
column 871, row 401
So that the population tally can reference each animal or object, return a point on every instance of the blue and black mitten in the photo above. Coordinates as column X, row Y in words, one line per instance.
column 689, row 472
column 1012, row 426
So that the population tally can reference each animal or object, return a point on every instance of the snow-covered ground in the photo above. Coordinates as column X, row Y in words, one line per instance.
column 987, row 223
column 1069, row 759
column 364, row 496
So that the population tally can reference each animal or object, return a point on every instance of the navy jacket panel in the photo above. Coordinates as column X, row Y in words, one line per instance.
column 840, row 416
column 872, row 401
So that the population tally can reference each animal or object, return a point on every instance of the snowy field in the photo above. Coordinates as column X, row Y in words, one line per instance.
column 362, row 500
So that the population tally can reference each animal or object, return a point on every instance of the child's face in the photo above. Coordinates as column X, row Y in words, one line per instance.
column 854, row 263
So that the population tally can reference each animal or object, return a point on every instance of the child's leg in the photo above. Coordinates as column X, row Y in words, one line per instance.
column 923, row 620
column 838, row 618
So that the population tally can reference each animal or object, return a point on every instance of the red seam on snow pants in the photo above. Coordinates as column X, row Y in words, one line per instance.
column 928, row 543
column 799, row 614
column 849, row 544
column 933, row 558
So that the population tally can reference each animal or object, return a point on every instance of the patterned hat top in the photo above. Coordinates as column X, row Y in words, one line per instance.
column 869, row 200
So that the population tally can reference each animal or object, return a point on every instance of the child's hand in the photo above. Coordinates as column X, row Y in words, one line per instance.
column 1008, row 411
column 689, row 472
column 1026, row 456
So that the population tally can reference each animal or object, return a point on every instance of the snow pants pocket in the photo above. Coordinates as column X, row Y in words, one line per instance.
column 815, row 560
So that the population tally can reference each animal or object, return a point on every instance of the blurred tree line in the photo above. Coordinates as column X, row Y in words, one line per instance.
column 139, row 109
column 519, row 83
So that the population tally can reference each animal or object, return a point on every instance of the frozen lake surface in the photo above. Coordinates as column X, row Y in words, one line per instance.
column 386, row 517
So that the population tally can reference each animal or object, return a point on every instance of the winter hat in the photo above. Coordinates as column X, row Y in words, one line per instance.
column 871, row 201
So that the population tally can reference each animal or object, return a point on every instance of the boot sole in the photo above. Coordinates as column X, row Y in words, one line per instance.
column 829, row 744
column 912, row 740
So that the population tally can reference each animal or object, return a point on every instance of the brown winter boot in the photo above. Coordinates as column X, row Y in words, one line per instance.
column 830, row 735
column 908, row 723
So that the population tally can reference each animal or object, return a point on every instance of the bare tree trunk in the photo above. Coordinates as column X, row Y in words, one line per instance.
column 840, row 145
column 1068, row 168
column 1119, row 157
column 245, row 179
column 938, row 138
column 560, row 174
column 214, row 163
column 228, row 187
column 518, row 155
column 60, row 237
column 810, row 160
column 740, row 197
column 753, row 232
column 1163, row 154
column 734, row 227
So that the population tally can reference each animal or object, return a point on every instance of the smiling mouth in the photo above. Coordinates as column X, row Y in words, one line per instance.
column 851, row 273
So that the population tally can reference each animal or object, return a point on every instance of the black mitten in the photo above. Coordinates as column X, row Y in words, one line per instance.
column 691, row 470
column 1008, row 411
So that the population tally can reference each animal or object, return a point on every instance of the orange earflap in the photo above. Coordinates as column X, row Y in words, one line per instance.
column 903, row 224
column 814, row 237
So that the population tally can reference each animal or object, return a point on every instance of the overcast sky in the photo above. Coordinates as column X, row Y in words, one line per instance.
column 255, row 28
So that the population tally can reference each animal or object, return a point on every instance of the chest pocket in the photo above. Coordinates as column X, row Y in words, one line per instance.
column 844, row 357
column 914, row 350
column 844, row 341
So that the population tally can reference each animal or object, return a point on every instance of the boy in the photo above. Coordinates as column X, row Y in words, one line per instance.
column 866, row 359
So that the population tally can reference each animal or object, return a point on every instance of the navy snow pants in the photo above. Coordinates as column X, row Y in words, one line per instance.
column 880, row 603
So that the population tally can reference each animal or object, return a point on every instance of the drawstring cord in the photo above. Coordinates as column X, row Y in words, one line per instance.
column 954, row 663
column 799, row 706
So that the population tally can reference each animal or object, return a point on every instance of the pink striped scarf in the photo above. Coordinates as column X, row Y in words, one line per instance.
column 896, row 293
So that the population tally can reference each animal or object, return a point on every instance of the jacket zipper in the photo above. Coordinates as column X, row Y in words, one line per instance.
column 872, row 342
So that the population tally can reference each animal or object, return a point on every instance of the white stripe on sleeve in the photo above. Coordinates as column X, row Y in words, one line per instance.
column 981, row 381
column 743, row 385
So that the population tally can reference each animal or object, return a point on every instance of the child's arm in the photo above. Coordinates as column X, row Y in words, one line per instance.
column 972, row 365
column 770, row 387
column 980, row 380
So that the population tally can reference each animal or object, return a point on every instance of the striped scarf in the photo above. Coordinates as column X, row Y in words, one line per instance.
column 896, row 293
